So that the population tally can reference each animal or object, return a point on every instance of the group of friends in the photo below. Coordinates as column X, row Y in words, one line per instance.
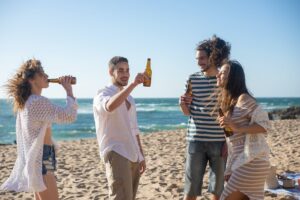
column 238, row 164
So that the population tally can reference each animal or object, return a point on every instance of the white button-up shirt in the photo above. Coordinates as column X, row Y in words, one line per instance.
column 116, row 130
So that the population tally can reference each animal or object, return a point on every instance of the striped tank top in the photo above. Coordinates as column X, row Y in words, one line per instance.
column 202, row 125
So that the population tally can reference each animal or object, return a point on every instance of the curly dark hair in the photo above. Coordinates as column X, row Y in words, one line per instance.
column 18, row 87
column 220, row 51
column 205, row 45
column 217, row 50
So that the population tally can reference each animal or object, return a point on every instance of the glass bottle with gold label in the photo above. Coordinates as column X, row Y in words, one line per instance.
column 228, row 131
column 148, row 73
column 189, row 88
column 56, row 80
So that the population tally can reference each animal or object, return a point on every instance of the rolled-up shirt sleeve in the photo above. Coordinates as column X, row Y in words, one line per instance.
column 101, row 100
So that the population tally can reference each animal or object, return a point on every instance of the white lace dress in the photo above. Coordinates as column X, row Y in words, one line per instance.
column 248, row 154
column 31, row 125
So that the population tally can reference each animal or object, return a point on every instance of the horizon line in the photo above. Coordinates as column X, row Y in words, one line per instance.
column 1, row 98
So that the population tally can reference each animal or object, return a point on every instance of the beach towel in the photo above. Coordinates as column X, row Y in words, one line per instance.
column 294, row 192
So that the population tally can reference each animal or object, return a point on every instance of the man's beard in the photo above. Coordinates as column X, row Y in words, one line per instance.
column 121, row 84
column 205, row 69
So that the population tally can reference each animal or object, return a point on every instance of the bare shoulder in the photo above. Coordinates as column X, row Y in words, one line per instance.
column 245, row 99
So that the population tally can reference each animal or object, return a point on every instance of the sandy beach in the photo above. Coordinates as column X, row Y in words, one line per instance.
column 81, row 174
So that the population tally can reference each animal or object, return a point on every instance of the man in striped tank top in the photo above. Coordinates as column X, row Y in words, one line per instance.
column 205, row 137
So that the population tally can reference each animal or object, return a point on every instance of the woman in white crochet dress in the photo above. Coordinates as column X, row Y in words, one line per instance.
column 36, row 162
column 248, row 153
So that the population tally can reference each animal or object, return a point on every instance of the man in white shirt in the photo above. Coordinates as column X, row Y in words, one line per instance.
column 118, row 133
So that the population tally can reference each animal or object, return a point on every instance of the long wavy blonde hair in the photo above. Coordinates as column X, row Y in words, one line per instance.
column 18, row 87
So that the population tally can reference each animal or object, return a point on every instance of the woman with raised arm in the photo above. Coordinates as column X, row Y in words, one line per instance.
column 36, row 161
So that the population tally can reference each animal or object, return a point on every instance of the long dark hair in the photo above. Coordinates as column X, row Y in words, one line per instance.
column 18, row 87
column 234, row 87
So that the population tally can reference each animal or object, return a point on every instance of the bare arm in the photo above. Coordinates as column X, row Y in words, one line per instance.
column 248, row 102
column 66, row 83
column 121, row 96
column 185, row 110
column 184, row 102
column 253, row 128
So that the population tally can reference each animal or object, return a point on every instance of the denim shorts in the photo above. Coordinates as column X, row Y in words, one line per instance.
column 198, row 155
column 49, row 160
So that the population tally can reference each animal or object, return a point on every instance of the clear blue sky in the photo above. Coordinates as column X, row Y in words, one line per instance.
column 79, row 38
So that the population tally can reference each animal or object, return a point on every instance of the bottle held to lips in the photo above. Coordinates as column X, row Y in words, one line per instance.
column 148, row 73
column 56, row 80
column 228, row 131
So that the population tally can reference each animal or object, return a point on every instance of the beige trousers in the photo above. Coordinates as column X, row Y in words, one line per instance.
column 122, row 175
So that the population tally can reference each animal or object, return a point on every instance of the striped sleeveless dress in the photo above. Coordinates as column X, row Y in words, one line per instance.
column 250, row 177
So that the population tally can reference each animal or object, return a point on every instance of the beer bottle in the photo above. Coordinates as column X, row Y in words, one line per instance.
column 189, row 89
column 56, row 80
column 148, row 73
column 228, row 131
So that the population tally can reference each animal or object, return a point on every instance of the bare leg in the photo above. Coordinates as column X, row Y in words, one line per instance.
column 236, row 196
column 36, row 196
column 215, row 197
column 189, row 198
column 51, row 193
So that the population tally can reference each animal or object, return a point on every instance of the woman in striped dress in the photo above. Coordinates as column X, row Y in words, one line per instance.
column 248, row 153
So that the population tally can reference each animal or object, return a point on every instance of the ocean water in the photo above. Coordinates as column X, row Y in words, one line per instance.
column 154, row 114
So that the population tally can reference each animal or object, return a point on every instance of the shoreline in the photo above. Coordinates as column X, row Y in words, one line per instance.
column 81, row 174
column 142, row 134
column 291, row 112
